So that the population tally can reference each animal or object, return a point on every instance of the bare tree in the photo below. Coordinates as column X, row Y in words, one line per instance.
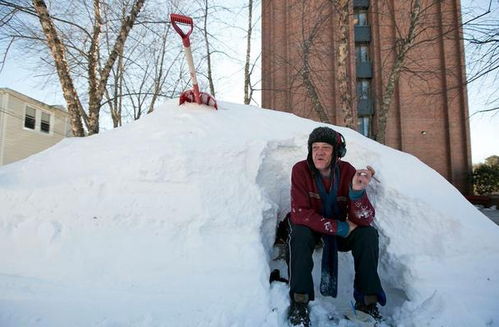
column 342, row 8
column 97, row 78
column 248, row 90
column 85, row 55
column 481, row 38
column 141, row 77
column 317, row 61
column 149, row 66
column 405, row 41
column 416, row 29
column 59, row 54
column 307, row 72
column 206, row 12
column 144, row 70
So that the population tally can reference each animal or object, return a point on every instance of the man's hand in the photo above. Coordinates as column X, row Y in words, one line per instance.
column 362, row 178
column 351, row 227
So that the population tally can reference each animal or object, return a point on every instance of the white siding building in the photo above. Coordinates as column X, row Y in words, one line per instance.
column 28, row 126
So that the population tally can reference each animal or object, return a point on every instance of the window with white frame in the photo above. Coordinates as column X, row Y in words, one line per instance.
column 37, row 120
column 45, row 123
column 30, row 118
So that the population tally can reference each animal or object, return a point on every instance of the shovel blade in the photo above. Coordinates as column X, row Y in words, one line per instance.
column 205, row 98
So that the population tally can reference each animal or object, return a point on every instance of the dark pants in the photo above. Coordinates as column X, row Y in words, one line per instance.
column 363, row 242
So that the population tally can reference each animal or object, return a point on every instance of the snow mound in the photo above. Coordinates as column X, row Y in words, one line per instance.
column 170, row 220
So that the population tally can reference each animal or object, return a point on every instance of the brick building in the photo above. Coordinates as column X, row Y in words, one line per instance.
column 428, row 113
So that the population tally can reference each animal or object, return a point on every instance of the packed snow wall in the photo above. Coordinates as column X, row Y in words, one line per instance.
column 170, row 220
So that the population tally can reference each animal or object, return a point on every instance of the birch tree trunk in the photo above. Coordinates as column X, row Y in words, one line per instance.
column 97, row 78
column 93, row 74
column 58, row 53
column 208, row 51
column 160, row 74
column 342, row 54
column 312, row 92
column 96, row 92
column 248, row 91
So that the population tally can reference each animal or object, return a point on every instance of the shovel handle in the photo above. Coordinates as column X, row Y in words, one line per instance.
column 176, row 18
column 192, row 71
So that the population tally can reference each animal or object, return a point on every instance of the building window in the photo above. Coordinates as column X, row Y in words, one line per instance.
column 363, row 89
column 363, row 125
column 360, row 17
column 45, row 124
column 362, row 52
column 30, row 118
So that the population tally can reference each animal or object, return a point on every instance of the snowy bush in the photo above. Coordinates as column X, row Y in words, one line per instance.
column 486, row 176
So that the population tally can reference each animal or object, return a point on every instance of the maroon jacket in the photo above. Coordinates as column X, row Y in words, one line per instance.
column 306, row 205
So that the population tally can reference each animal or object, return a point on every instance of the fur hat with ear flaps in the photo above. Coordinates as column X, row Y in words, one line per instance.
column 329, row 136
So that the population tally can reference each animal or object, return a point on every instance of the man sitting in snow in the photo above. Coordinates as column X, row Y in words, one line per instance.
column 329, row 201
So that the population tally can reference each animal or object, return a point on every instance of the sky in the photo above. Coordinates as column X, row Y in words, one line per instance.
column 180, row 232
column 484, row 131
column 483, row 94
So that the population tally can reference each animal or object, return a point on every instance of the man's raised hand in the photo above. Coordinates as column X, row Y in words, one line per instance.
column 362, row 178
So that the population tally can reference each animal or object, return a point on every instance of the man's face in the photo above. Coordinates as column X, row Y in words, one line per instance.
column 322, row 154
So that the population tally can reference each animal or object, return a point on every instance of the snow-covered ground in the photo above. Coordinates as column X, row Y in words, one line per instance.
column 170, row 220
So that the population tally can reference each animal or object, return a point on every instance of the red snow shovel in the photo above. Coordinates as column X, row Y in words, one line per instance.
column 190, row 95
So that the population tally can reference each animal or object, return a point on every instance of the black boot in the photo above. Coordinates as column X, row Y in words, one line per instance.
column 370, row 309
column 299, row 313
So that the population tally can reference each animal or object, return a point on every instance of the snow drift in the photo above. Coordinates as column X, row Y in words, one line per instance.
column 170, row 220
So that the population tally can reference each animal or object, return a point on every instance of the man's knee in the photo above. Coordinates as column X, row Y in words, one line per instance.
column 367, row 234
column 302, row 236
